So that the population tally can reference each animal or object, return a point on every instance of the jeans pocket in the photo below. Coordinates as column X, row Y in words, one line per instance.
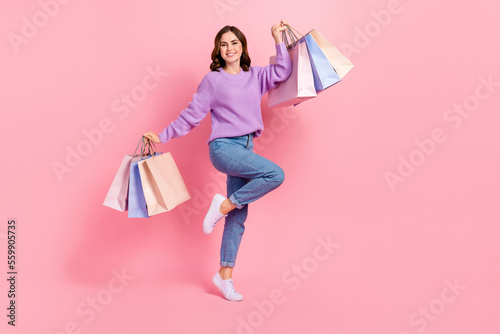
column 213, row 149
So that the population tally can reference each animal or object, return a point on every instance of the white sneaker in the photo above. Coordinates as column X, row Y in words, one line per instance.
column 213, row 214
column 226, row 286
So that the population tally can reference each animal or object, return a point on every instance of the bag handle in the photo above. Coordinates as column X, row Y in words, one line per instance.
column 290, row 27
column 293, row 38
column 151, row 147
column 139, row 144
column 288, row 34
column 147, row 147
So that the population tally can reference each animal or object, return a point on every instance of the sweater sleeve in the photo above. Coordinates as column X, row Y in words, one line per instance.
column 196, row 111
column 272, row 74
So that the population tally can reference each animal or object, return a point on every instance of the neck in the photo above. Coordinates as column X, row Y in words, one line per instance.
column 232, row 68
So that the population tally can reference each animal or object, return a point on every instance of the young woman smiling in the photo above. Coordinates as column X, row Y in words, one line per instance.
column 232, row 92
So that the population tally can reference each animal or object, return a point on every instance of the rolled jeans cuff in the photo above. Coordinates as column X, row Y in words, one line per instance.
column 226, row 264
column 235, row 202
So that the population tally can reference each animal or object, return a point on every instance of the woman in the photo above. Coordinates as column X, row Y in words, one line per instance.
column 232, row 92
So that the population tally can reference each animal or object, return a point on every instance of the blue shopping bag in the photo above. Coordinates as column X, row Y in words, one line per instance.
column 137, row 207
column 323, row 72
column 136, row 201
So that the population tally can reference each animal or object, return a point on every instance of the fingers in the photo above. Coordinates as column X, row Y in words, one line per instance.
column 152, row 136
column 280, row 23
column 278, row 27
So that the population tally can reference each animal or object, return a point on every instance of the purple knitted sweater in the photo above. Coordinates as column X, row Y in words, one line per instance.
column 233, row 100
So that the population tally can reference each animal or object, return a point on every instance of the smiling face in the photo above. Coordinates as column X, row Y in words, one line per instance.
column 230, row 48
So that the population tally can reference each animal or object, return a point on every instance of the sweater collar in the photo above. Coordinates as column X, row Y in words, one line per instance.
column 221, row 70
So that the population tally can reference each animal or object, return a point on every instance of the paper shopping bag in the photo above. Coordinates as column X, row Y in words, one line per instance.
column 136, row 202
column 323, row 72
column 162, row 183
column 116, row 197
column 340, row 63
column 300, row 84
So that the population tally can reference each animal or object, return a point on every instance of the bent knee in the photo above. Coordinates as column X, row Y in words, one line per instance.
column 277, row 176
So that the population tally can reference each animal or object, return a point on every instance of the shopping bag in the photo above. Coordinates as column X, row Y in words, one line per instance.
column 116, row 197
column 137, row 207
column 136, row 201
column 323, row 72
column 162, row 183
column 300, row 84
column 340, row 63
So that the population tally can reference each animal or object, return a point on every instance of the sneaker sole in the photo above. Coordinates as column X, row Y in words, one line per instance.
column 220, row 289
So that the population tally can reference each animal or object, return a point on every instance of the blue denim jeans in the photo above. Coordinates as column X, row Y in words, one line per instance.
column 249, row 177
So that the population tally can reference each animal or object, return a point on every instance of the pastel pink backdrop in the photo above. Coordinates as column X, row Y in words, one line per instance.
column 397, row 250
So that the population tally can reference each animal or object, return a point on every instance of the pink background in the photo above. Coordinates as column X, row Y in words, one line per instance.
column 397, row 248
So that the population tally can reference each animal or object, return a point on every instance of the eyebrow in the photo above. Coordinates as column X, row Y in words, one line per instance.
column 234, row 40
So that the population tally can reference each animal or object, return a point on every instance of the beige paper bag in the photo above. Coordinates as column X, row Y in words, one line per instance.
column 162, row 183
column 340, row 63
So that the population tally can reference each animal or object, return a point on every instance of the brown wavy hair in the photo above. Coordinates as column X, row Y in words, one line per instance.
column 217, row 60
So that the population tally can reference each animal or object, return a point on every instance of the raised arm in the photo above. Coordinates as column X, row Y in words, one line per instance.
column 190, row 117
column 269, row 76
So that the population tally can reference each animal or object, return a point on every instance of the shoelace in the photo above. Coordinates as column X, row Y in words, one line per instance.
column 230, row 287
column 216, row 219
